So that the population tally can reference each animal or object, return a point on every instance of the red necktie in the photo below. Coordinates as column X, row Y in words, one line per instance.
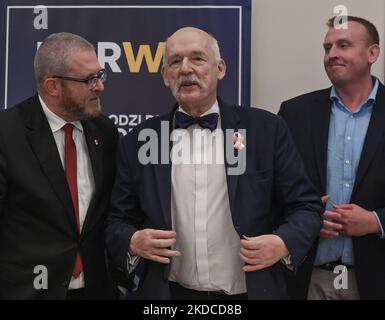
column 71, row 175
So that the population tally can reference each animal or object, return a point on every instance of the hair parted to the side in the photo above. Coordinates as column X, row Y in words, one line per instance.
column 52, row 56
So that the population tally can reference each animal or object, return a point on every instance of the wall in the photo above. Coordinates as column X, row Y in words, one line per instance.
column 287, row 52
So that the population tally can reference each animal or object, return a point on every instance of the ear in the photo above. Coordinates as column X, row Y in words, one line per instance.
column 374, row 52
column 52, row 87
column 165, row 77
column 221, row 69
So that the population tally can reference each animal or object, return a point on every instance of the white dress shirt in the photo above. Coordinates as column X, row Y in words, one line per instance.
column 85, row 178
column 201, row 217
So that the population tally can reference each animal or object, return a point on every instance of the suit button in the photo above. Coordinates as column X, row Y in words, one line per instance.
column 65, row 283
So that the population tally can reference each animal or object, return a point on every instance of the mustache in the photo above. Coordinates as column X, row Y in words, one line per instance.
column 190, row 80
column 96, row 95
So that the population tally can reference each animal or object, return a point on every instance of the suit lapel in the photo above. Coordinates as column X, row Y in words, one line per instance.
column 95, row 151
column 320, row 115
column 230, row 120
column 42, row 142
column 163, row 171
column 374, row 137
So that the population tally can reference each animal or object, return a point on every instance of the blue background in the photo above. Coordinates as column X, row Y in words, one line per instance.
column 126, row 93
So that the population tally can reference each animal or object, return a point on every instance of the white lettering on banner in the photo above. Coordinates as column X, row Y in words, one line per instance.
column 109, row 54
column 134, row 63
column 111, row 59
column 130, row 120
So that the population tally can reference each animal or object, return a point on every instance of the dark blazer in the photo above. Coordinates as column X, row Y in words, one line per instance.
column 37, row 218
column 141, row 198
column 308, row 118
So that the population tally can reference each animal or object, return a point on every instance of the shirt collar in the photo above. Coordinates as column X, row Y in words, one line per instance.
column 369, row 101
column 55, row 122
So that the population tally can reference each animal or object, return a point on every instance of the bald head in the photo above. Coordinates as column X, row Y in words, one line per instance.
column 184, row 35
column 191, row 69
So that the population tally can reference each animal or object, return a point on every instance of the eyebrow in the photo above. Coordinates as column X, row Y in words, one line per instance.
column 199, row 53
column 344, row 40
column 92, row 74
column 338, row 41
column 193, row 53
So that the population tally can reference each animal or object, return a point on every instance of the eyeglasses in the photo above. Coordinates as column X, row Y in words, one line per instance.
column 90, row 81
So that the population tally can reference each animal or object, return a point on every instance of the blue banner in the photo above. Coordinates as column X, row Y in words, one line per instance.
column 129, row 38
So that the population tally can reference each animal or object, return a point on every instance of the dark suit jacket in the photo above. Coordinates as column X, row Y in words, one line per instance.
column 308, row 118
column 37, row 218
column 141, row 198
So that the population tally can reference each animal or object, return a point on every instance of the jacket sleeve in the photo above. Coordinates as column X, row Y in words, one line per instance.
column 125, row 216
column 302, row 207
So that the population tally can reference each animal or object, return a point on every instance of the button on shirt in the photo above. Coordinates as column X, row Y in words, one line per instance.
column 85, row 178
column 201, row 216
column 347, row 133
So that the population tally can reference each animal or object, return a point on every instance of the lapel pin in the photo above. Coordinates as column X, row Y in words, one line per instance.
column 96, row 142
column 238, row 141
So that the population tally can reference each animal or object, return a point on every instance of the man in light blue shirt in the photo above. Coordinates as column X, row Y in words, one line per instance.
column 347, row 130
column 340, row 134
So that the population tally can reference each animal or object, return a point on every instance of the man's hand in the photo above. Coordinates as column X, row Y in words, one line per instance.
column 355, row 220
column 325, row 198
column 153, row 245
column 261, row 252
column 330, row 229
